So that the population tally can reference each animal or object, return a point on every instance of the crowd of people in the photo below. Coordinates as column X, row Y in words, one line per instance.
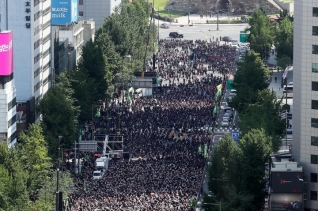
column 162, row 132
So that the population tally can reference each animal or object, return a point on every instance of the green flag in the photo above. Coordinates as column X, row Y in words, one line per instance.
column 217, row 109
column 219, row 87
column 128, row 100
column 200, row 149
column 97, row 114
column 193, row 202
column 84, row 185
column 218, row 94
column 206, row 151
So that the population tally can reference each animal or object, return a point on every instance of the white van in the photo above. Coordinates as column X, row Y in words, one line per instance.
column 97, row 174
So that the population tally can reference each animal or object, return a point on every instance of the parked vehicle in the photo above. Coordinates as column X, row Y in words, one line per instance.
column 165, row 25
column 97, row 174
column 225, row 123
column 175, row 35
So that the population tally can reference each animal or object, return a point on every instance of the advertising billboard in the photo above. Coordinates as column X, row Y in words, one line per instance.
column 64, row 11
column 286, row 202
column 287, row 182
column 6, row 53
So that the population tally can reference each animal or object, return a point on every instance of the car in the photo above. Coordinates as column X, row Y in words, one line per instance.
column 175, row 35
column 235, row 42
column 227, row 108
column 165, row 25
column 97, row 175
column 225, row 123
column 230, row 112
column 226, row 39
column 227, row 116
column 232, row 94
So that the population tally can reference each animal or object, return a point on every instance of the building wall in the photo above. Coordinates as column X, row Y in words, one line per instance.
column 96, row 10
column 8, row 114
column 303, row 149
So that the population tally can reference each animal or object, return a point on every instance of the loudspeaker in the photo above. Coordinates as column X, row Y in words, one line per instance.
column 126, row 155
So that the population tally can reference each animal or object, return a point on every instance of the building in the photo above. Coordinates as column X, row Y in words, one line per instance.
column 31, row 23
column 97, row 10
column 305, row 108
column 7, row 90
column 286, row 183
column 68, row 41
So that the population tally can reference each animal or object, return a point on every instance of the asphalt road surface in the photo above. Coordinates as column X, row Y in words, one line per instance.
column 204, row 31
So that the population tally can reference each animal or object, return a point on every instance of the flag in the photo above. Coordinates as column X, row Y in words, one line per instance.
column 218, row 94
column 219, row 87
column 205, row 151
column 285, row 73
column 210, row 130
column 200, row 149
column 131, row 90
column 84, row 185
column 97, row 114
column 214, row 110
column 128, row 100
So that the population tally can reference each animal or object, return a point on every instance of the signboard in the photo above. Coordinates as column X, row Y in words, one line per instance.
column 235, row 135
column 287, row 182
column 6, row 53
column 229, row 84
column 286, row 202
column 64, row 11
column 243, row 37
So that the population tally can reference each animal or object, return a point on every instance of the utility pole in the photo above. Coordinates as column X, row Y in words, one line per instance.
column 75, row 157
column 188, row 12
column 217, row 15
column 154, row 55
column 58, row 174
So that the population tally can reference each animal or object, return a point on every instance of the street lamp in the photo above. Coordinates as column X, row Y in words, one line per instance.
column 217, row 15
column 58, row 174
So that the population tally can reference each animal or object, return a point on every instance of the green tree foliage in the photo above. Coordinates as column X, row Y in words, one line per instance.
column 223, row 164
column 251, row 77
column 13, row 179
column 34, row 156
column 284, row 62
column 261, row 33
column 256, row 148
column 284, row 14
column 264, row 114
column 59, row 116
column 284, row 39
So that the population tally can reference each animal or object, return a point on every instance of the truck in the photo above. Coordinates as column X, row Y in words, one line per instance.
column 143, row 92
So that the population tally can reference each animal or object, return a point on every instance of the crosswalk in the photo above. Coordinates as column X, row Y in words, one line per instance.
column 225, row 129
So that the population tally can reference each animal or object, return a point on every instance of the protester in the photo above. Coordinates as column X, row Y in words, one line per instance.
column 163, row 133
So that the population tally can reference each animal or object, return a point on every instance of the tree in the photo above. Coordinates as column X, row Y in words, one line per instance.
column 284, row 62
column 222, row 166
column 85, row 92
column 93, row 61
column 256, row 149
column 251, row 77
column 261, row 33
column 34, row 155
column 284, row 38
column 264, row 114
column 59, row 116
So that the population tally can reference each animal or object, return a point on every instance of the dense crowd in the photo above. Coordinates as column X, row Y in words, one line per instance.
column 162, row 132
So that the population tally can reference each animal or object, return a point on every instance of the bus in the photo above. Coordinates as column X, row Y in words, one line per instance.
column 288, row 90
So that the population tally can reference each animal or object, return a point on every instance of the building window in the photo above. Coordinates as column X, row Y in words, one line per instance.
column 315, row 67
column 314, row 49
column 315, row 30
column 80, row 2
column 314, row 159
column 314, row 139
column 314, row 122
column 36, row 2
column 314, row 104
column 12, row 103
column 313, row 177
column 37, row 15
column 80, row 13
column 314, row 86
column 313, row 195
column 12, row 121
column 315, row 11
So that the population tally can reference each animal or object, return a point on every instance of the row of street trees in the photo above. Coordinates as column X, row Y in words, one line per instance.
column 116, row 53
column 27, row 171
column 237, row 171
column 26, row 181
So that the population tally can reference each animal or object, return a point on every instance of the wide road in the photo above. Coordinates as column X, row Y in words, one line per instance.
column 204, row 31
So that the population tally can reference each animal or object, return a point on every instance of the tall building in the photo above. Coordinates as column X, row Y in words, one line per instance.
column 97, row 10
column 31, row 23
column 7, row 90
column 305, row 108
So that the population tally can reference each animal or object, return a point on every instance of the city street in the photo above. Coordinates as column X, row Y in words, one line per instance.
column 204, row 31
